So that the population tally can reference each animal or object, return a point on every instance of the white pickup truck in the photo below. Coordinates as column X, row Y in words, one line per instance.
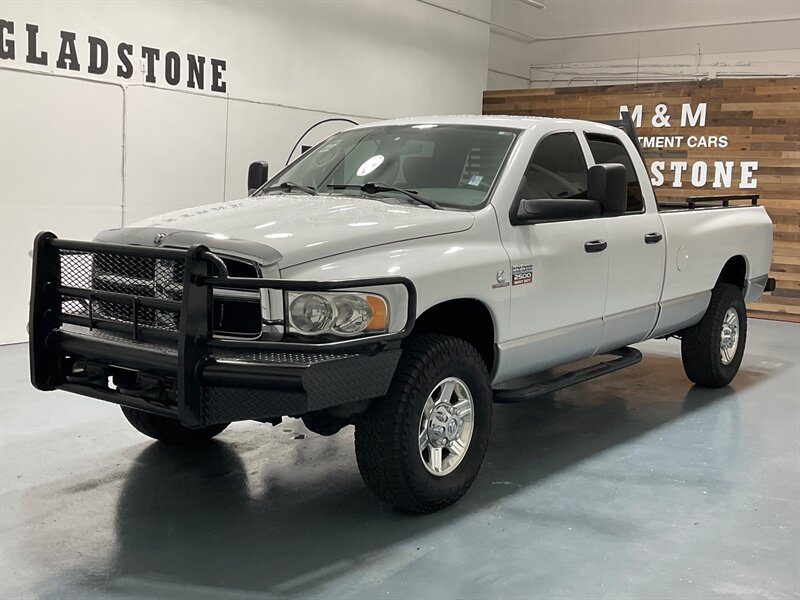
column 401, row 277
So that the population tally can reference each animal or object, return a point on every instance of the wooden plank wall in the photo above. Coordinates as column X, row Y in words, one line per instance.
column 761, row 119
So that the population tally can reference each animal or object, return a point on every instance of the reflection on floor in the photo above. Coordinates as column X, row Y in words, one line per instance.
column 634, row 485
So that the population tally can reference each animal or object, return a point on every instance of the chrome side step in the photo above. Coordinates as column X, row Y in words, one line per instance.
column 626, row 357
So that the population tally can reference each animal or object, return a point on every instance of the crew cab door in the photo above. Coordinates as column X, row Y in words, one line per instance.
column 636, row 247
column 559, row 270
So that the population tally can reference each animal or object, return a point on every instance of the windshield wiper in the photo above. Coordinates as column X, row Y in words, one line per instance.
column 375, row 187
column 288, row 186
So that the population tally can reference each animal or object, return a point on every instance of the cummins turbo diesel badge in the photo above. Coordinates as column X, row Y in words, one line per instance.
column 521, row 274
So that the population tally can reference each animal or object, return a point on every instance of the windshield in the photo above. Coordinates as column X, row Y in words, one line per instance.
column 452, row 166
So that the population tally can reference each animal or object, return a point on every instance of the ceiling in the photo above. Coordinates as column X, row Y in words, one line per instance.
column 578, row 18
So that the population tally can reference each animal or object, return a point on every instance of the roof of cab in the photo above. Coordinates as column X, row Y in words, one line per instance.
column 514, row 121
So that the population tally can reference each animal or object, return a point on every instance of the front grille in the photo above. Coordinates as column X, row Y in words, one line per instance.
column 135, row 275
column 154, row 278
column 122, row 312
column 147, row 277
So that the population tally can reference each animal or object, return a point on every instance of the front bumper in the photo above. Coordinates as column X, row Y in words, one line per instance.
column 189, row 374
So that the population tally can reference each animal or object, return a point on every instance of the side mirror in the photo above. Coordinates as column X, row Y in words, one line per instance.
column 608, row 185
column 257, row 175
column 556, row 209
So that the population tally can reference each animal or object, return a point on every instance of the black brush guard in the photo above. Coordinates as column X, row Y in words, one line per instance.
column 188, row 373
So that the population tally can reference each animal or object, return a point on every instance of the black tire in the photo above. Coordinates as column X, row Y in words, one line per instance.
column 700, row 344
column 170, row 431
column 387, row 435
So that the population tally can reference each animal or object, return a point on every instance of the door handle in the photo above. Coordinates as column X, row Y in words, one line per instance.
column 653, row 238
column 595, row 246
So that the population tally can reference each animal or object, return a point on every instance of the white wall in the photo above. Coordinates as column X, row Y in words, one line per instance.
column 509, row 63
column 82, row 152
column 584, row 42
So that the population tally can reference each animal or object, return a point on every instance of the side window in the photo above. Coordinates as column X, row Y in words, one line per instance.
column 557, row 169
column 606, row 149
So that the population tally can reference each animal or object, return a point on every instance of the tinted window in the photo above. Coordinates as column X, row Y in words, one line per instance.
column 606, row 150
column 556, row 169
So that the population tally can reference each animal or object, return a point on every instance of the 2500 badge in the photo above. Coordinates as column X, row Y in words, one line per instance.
column 521, row 274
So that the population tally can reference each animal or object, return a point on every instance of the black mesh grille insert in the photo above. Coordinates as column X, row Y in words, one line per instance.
column 122, row 312
column 145, row 277
column 132, row 276
column 135, row 275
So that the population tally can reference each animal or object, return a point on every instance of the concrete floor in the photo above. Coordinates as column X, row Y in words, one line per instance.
column 633, row 486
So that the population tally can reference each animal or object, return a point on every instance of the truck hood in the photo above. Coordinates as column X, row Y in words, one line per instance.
column 300, row 227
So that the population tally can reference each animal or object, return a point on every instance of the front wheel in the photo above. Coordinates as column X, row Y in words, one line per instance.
column 712, row 350
column 421, row 447
column 170, row 431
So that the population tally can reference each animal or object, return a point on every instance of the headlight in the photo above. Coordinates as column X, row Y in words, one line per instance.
column 311, row 313
column 345, row 314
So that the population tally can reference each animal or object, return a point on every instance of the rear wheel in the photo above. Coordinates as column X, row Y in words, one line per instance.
column 168, row 430
column 420, row 447
column 712, row 350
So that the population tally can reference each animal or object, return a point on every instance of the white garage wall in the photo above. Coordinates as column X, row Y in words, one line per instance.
column 55, row 173
column 175, row 151
column 509, row 62
column 588, row 42
column 82, row 152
